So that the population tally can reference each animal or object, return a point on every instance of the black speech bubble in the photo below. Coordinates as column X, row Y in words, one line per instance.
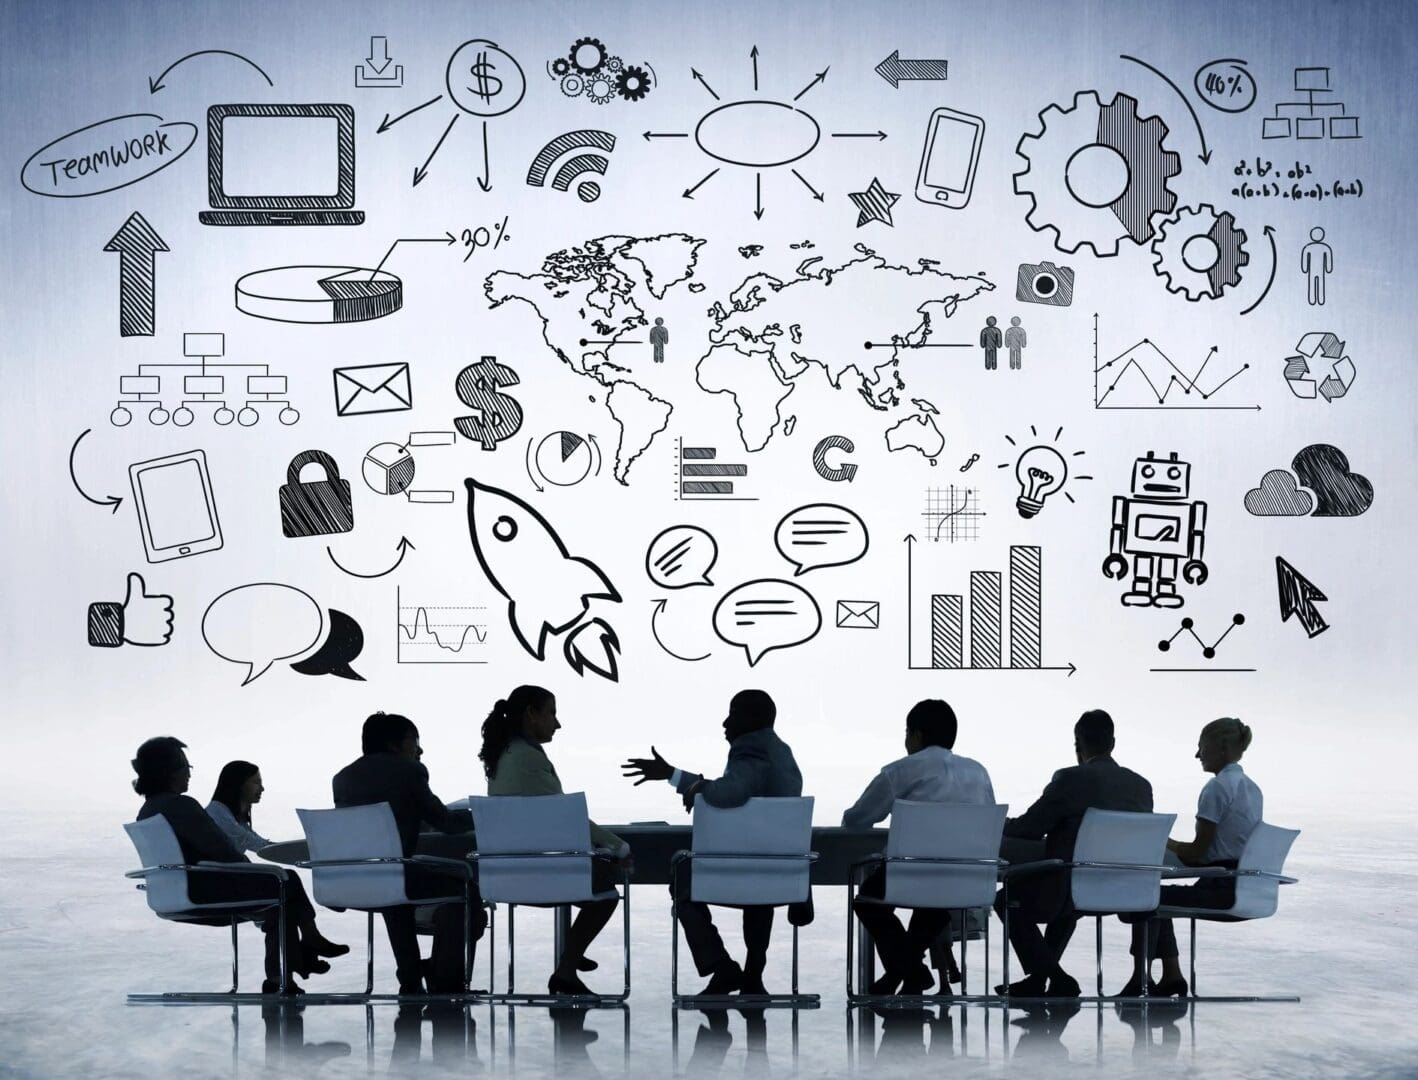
column 344, row 644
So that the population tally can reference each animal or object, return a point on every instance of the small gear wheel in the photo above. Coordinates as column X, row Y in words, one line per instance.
column 1096, row 173
column 1199, row 252
column 573, row 85
column 587, row 55
column 633, row 83
column 614, row 63
column 601, row 89
column 560, row 66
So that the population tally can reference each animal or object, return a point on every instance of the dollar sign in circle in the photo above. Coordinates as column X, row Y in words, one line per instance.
column 499, row 415
column 486, row 85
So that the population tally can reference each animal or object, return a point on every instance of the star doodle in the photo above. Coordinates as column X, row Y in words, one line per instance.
column 874, row 203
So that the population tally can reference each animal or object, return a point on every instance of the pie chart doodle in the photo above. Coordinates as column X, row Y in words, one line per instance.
column 319, row 294
column 562, row 459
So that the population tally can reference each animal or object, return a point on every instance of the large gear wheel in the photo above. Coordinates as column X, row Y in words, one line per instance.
column 1096, row 173
column 587, row 55
column 633, row 83
column 573, row 85
column 1199, row 252
column 601, row 89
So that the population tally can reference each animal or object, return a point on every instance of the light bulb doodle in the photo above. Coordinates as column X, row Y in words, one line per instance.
column 1041, row 471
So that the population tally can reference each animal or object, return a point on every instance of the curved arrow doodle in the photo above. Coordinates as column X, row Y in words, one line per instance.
column 113, row 500
column 403, row 548
column 654, row 615
column 1205, row 154
column 154, row 85
column 1269, row 235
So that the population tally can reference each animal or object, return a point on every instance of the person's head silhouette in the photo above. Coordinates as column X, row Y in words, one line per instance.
column 1317, row 234
column 991, row 321
column 1014, row 321
column 659, row 322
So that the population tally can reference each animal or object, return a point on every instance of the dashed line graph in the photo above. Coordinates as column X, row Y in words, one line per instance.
column 1143, row 376
column 439, row 633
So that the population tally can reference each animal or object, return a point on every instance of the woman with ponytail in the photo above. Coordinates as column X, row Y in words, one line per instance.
column 515, row 763
column 1228, row 810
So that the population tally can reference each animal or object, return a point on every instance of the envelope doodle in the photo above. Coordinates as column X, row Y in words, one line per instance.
column 858, row 614
column 373, row 388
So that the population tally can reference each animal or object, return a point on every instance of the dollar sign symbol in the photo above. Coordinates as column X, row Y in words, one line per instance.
column 488, row 84
column 499, row 416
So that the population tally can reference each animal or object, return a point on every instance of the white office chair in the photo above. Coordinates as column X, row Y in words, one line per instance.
column 1118, row 861
column 757, row 854
column 1258, row 876
column 535, row 850
column 357, row 862
column 165, row 877
column 938, row 855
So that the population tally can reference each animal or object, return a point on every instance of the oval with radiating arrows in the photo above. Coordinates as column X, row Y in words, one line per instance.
column 106, row 156
column 758, row 134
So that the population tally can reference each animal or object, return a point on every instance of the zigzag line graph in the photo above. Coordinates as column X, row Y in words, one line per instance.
column 1119, row 383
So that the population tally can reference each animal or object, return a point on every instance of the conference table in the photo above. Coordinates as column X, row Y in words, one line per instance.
column 654, row 843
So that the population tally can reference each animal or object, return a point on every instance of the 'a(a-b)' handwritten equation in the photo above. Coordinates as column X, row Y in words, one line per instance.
column 1265, row 180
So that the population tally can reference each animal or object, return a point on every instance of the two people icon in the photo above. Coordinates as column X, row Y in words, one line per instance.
column 1014, row 339
column 1316, row 262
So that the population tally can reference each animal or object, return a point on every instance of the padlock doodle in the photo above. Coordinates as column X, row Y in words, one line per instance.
column 315, row 507
column 499, row 416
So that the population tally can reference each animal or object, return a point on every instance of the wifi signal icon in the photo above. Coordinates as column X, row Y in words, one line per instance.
column 586, row 190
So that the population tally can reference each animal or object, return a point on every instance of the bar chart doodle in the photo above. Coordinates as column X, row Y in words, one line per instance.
column 970, row 635
column 1208, row 650
column 953, row 513
column 439, row 633
column 700, row 475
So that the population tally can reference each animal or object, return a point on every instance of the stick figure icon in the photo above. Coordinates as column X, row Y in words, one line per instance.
column 659, row 338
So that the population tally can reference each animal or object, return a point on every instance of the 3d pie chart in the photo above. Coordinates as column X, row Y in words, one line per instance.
column 319, row 294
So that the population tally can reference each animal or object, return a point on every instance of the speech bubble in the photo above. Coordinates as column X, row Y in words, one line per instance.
column 681, row 556
column 766, row 614
column 821, row 534
column 258, row 624
column 345, row 643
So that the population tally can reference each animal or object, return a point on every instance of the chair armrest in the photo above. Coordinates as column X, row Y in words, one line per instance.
column 1196, row 872
column 240, row 868
column 681, row 856
column 310, row 864
column 1118, row 866
column 1028, row 869
column 440, row 864
column 477, row 856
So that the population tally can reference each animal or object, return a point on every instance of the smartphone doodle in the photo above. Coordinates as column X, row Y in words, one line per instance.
column 177, row 511
column 948, row 161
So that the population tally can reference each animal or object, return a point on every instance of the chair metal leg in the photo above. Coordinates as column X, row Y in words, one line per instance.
column 987, row 958
column 964, row 944
column 511, row 948
column 491, row 948
column 1098, row 935
column 674, row 953
column 281, row 931
column 235, row 957
column 1192, row 937
column 851, row 889
column 467, row 936
column 1146, row 962
column 1005, row 950
column 795, row 966
column 369, row 954
column 625, row 922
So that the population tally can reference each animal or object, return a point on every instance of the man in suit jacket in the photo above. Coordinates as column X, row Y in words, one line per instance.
column 760, row 764
column 389, row 771
column 1096, row 781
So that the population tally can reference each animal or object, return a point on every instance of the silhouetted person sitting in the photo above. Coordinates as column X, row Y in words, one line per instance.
column 389, row 771
column 238, row 789
column 1227, row 811
column 760, row 764
column 515, row 762
column 930, row 772
column 1096, row 781
column 164, row 775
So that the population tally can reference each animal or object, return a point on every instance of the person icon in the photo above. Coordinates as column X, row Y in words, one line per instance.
column 659, row 338
column 1015, row 339
column 990, row 340
column 1316, row 261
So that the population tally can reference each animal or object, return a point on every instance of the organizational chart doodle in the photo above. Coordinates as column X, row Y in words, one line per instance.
column 645, row 412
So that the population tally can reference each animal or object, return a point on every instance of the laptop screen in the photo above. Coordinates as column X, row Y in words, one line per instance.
column 277, row 157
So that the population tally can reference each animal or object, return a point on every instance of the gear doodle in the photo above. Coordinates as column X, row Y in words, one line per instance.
column 633, row 83
column 573, row 85
column 1096, row 173
column 614, row 63
column 560, row 66
column 1199, row 252
column 589, row 44
column 601, row 90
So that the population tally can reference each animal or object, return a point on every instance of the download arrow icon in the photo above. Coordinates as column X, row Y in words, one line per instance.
column 1298, row 596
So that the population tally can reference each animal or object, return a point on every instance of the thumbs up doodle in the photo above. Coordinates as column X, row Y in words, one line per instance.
column 143, row 618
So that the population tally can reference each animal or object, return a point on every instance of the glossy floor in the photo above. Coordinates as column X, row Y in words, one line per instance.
column 75, row 939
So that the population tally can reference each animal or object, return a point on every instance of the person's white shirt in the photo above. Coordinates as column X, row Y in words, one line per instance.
column 243, row 837
column 931, row 774
column 1233, row 802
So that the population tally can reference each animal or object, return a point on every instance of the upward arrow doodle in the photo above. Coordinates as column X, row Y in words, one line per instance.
column 1298, row 596
column 137, row 244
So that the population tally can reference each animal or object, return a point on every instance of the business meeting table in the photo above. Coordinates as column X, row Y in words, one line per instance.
column 654, row 843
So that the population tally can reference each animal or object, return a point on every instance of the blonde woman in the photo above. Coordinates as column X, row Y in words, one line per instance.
column 1228, row 810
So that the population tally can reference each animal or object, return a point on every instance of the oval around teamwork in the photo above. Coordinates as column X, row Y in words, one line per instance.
column 144, row 142
column 750, row 133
